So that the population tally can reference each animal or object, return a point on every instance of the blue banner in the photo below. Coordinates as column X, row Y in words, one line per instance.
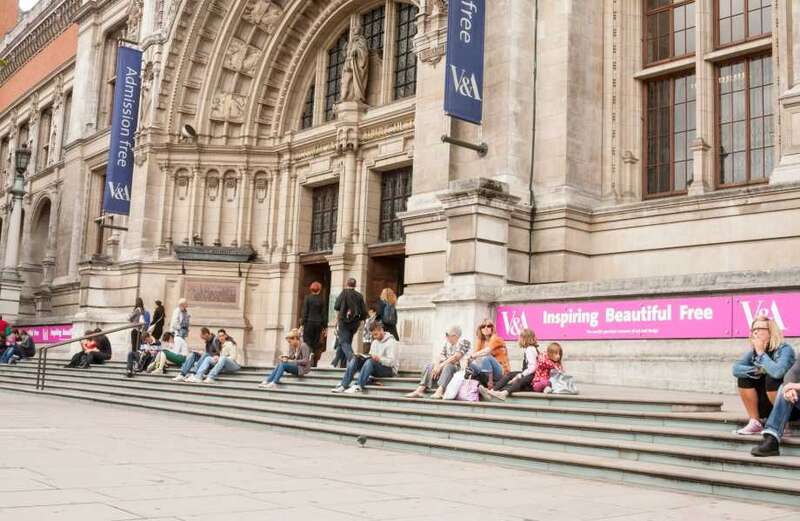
column 124, row 120
column 463, row 87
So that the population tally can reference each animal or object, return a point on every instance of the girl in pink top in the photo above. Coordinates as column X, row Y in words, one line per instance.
column 545, row 363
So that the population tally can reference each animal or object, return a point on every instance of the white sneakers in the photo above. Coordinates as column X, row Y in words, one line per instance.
column 193, row 380
column 179, row 378
column 209, row 380
column 267, row 385
column 350, row 390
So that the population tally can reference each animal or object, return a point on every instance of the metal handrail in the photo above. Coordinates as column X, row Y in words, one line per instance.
column 41, row 365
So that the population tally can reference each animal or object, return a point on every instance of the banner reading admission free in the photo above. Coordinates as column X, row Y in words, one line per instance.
column 124, row 120
column 726, row 316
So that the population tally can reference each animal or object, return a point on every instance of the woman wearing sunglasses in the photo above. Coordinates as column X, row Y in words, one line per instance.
column 760, row 371
column 490, row 355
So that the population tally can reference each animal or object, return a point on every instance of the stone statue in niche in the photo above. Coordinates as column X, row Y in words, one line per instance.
column 147, row 95
column 263, row 13
column 134, row 20
column 241, row 57
column 356, row 67
column 227, row 106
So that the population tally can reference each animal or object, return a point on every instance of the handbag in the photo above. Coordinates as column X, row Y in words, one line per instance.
column 561, row 383
column 454, row 386
column 468, row 392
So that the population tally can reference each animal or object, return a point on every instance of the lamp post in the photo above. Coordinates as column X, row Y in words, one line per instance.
column 21, row 158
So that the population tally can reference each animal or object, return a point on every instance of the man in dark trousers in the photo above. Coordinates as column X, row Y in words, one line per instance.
column 350, row 311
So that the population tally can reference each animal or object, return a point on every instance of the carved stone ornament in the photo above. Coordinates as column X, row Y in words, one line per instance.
column 227, row 106
column 355, row 72
column 147, row 94
column 346, row 139
column 241, row 57
column 263, row 13
column 212, row 186
column 261, row 188
column 34, row 110
column 230, row 185
column 182, row 184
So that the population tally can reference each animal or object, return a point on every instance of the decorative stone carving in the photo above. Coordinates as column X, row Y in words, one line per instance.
column 260, row 185
column 182, row 185
column 346, row 139
column 227, row 106
column 134, row 19
column 263, row 13
column 241, row 57
column 147, row 95
column 356, row 67
column 33, row 113
column 212, row 187
column 429, row 43
column 230, row 185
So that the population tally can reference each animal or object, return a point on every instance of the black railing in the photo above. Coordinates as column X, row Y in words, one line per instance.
column 41, row 365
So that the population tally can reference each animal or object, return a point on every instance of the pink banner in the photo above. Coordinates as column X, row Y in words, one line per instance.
column 690, row 317
column 50, row 334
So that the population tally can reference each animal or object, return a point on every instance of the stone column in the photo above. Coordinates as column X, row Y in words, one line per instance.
column 192, row 205
column 201, row 206
column 272, row 198
column 283, row 211
column 57, row 123
column 11, row 287
column 701, row 179
column 243, row 195
column 33, row 133
column 478, row 213
column 786, row 33
column 247, row 233
column 165, row 211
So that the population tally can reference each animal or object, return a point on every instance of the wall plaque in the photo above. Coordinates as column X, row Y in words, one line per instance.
column 211, row 293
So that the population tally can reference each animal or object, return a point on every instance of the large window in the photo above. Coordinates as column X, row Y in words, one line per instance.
column 372, row 25
column 405, row 67
column 45, row 125
column 740, row 20
column 670, row 133
column 307, row 117
column 395, row 191
column 109, row 76
column 336, row 57
column 744, row 123
column 669, row 29
column 323, row 217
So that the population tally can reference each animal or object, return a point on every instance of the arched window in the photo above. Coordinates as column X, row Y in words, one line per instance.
column 405, row 68
column 333, row 78
column 307, row 117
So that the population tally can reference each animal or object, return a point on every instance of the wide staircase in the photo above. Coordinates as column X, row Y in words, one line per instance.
column 678, row 444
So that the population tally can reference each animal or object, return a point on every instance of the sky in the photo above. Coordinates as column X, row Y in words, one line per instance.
column 27, row 4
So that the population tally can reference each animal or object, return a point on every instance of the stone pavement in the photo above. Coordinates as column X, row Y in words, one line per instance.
column 73, row 460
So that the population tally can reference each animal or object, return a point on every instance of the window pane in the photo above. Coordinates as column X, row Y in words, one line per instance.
column 405, row 83
column 323, row 218
column 336, row 57
column 395, row 191
column 372, row 27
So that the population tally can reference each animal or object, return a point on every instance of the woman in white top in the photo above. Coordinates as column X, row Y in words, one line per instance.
column 174, row 350
column 228, row 361
column 516, row 381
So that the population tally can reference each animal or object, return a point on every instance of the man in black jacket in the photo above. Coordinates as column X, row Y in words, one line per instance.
column 787, row 406
column 350, row 311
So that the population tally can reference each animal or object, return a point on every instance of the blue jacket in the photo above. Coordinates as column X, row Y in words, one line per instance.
column 774, row 364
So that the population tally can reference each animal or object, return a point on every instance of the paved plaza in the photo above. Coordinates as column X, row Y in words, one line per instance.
column 65, row 460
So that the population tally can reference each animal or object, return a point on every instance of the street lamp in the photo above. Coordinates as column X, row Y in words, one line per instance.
column 22, row 157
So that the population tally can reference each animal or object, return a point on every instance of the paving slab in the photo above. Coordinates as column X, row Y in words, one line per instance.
column 90, row 461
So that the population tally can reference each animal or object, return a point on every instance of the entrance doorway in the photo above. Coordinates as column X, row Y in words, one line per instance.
column 385, row 270
column 313, row 270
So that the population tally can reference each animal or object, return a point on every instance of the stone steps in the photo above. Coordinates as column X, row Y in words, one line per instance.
column 585, row 436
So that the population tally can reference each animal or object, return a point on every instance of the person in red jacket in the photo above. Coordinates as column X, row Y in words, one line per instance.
column 545, row 363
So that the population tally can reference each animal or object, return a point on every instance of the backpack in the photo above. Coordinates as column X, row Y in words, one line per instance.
column 354, row 311
column 389, row 315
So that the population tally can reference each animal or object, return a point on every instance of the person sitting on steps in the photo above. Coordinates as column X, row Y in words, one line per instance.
column 517, row 381
column 228, row 361
column 449, row 363
column 89, row 354
column 490, row 356
column 196, row 358
column 296, row 362
column 381, row 361
column 787, row 406
column 139, row 360
column 760, row 371
column 174, row 350
column 23, row 347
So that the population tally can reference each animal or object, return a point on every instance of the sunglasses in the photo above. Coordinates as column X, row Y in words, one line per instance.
column 759, row 329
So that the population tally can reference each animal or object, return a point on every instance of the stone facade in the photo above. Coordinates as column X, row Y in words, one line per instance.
column 560, row 197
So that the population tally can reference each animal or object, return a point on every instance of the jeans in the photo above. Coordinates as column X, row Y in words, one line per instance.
column 488, row 364
column 225, row 365
column 779, row 417
column 367, row 369
column 508, row 383
column 282, row 367
column 95, row 357
column 193, row 361
column 346, row 332
column 8, row 353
